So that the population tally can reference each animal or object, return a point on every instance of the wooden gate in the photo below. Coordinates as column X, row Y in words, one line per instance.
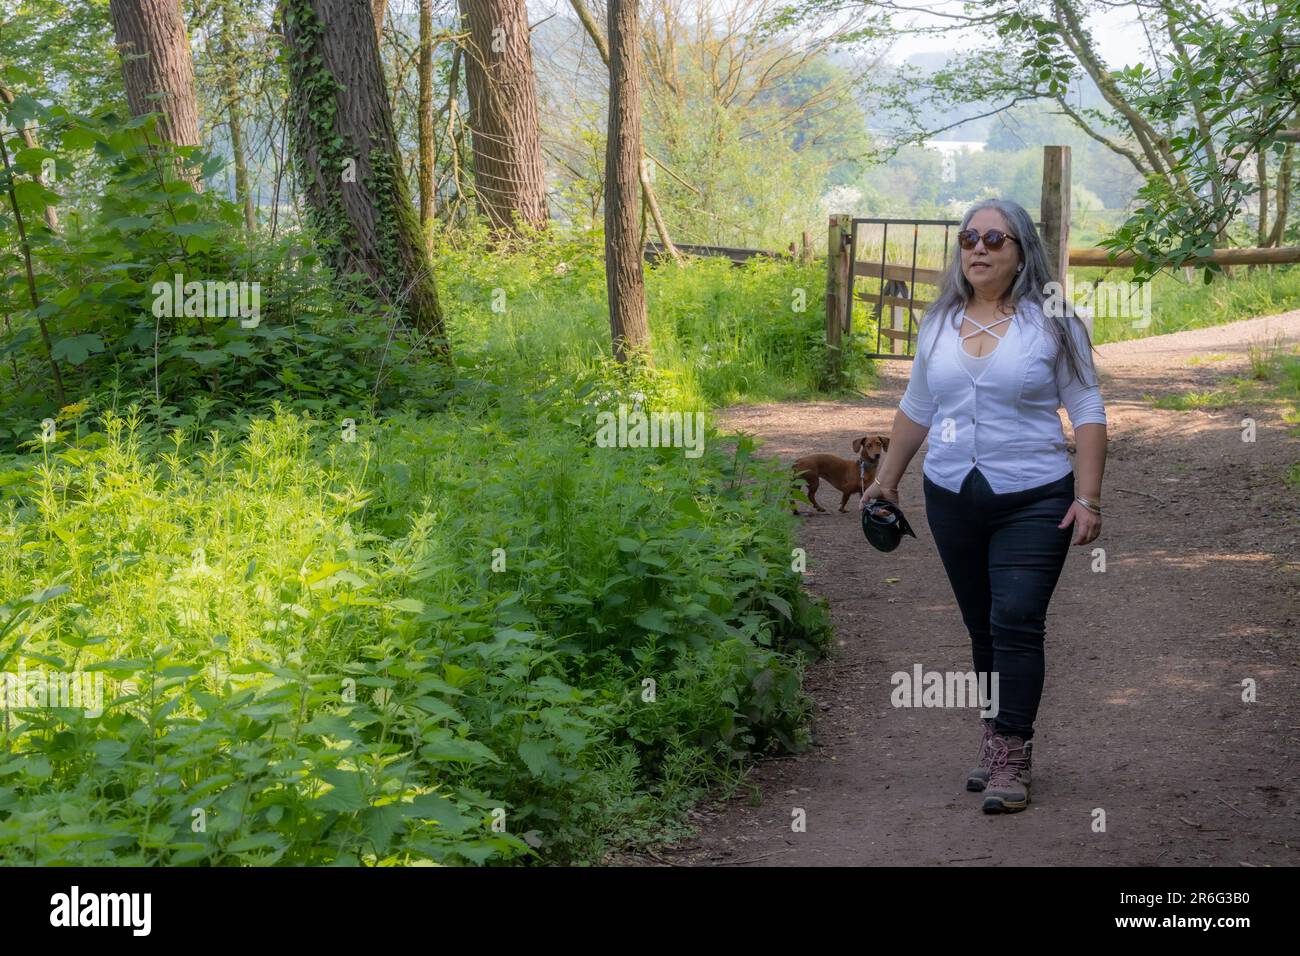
column 897, row 283
column 897, row 280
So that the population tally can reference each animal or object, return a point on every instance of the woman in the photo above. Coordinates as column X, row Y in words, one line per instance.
column 995, row 358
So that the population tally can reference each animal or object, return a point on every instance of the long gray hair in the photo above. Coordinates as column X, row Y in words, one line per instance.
column 955, row 292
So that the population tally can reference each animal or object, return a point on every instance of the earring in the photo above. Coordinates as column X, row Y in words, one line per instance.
column 1021, row 267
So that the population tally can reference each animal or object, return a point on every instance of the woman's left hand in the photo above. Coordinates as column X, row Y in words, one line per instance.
column 1087, row 524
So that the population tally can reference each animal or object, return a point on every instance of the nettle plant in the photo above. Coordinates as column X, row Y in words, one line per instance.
column 428, row 644
column 151, row 292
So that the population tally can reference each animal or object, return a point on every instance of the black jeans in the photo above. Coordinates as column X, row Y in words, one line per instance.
column 1004, row 554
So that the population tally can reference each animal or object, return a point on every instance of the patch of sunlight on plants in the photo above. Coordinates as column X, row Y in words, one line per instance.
column 1195, row 400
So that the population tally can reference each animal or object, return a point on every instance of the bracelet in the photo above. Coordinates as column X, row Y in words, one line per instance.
column 877, row 481
column 1088, row 504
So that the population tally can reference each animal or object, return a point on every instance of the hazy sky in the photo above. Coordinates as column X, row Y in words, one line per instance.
column 1119, row 37
column 1117, row 32
column 1120, row 40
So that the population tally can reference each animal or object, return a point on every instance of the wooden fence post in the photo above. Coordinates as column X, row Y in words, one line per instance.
column 837, row 287
column 1055, row 213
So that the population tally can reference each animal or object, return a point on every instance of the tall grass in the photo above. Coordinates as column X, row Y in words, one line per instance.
column 720, row 334
column 1178, row 303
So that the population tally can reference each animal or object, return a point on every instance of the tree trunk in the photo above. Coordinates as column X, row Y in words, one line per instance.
column 347, row 157
column 156, row 60
column 1261, row 171
column 647, row 189
column 29, row 140
column 508, row 172
column 624, row 276
column 230, row 80
column 380, row 7
column 456, row 174
column 425, row 118
column 1283, row 198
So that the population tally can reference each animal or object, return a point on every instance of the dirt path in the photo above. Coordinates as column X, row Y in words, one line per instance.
column 1142, row 715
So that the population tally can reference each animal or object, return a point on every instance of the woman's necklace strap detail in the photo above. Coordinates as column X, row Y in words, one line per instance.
column 979, row 327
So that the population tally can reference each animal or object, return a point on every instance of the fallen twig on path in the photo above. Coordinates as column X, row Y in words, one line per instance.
column 763, row 857
column 651, row 853
column 1230, row 806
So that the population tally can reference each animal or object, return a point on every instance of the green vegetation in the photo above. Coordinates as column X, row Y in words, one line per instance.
column 1177, row 304
column 723, row 334
column 1211, row 400
column 333, row 662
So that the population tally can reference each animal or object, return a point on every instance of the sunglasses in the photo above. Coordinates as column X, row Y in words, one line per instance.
column 993, row 239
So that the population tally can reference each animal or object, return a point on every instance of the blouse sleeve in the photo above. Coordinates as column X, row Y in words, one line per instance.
column 1082, row 401
column 917, row 402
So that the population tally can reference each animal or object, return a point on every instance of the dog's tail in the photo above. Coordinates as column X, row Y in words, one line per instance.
column 798, row 472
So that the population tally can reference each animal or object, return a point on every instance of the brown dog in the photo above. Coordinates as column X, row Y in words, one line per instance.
column 850, row 476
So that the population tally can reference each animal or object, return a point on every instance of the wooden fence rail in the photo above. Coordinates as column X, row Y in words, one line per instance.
column 654, row 251
column 1278, row 255
column 1078, row 256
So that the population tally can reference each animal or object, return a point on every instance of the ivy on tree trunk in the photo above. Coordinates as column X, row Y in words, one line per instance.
column 347, row 158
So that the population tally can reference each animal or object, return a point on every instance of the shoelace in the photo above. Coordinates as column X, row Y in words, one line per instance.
column 1003, row 768
column 986, row 747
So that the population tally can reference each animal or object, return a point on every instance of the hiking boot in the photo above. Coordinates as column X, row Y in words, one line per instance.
column 977, row 778
column 1008, row 786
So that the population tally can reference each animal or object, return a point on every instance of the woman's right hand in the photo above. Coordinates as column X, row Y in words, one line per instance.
column 876, row 490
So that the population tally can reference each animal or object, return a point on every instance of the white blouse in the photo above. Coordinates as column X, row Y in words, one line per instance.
column 1004, row 419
